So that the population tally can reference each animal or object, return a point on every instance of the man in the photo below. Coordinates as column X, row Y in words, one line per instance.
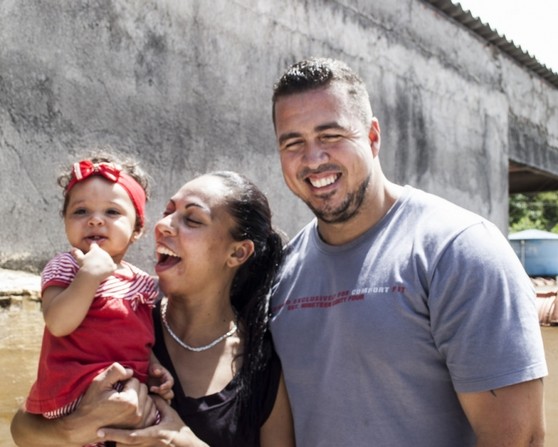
column 400, row 318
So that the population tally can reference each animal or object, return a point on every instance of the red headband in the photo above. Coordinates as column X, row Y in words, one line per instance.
column 113, row 173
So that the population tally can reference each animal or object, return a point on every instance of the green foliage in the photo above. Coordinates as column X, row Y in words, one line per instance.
column 534, row 211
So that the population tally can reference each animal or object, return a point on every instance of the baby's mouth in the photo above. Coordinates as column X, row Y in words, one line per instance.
column 95, row 238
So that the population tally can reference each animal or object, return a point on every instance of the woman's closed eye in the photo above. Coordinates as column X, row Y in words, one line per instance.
column 191, row 221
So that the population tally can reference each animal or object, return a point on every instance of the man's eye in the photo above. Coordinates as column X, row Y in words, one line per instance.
column 331, row 137
column 292, row 145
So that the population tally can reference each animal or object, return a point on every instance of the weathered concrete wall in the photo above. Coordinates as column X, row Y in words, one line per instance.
column 185, row 86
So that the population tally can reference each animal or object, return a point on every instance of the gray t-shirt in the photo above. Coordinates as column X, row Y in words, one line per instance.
column 377, row 335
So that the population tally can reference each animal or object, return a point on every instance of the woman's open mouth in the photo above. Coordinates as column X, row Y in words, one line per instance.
column 166, row 258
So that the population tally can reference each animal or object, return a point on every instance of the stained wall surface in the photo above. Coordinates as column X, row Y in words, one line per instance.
column 185, row 86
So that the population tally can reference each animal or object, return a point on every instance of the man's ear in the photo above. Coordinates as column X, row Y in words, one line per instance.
column 374, row 137
column 241, row 251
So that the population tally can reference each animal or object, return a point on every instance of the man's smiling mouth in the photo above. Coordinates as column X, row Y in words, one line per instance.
column 324, row 181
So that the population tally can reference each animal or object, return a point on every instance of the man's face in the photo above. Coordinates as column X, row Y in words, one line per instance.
column 326, row 151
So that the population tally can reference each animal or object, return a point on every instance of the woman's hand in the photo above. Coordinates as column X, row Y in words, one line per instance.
column 171, row 431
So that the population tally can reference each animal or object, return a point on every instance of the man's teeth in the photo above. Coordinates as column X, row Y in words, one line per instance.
column 320, row 183
column 166, row 251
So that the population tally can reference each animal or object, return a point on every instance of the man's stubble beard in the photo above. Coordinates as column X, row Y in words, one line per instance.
column 346, row 210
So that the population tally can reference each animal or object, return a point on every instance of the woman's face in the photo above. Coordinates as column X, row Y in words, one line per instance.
column 193, row 239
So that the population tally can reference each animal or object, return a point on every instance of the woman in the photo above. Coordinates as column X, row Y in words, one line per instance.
column 217, row 257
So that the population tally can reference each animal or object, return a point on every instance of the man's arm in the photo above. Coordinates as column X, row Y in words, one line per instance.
column 100, row 406
column 511, row 416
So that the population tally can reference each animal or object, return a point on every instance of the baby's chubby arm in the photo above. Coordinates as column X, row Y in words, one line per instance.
column 65, row 308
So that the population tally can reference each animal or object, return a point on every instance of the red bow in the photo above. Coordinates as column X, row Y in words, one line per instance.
column 86, row 168
column 113, row 173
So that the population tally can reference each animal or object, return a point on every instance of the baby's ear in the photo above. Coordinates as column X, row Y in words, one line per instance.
column 136, row 235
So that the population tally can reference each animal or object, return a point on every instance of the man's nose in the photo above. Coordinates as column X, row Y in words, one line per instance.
column 315, row 154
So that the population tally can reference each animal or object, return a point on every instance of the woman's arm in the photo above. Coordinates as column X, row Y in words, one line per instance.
column 278, row 430
column 100, row 406
column 171, row 430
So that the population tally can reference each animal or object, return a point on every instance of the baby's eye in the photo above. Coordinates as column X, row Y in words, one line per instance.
column 113, row 212
column 79, row 212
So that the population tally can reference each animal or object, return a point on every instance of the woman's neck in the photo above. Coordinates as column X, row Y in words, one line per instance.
column 197, row 321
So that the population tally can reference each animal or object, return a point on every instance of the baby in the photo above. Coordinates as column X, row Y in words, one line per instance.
column 97, row 307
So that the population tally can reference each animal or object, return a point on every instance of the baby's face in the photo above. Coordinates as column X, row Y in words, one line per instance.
column 102, row 212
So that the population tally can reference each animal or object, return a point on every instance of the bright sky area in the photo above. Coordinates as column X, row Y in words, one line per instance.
column 531, row 25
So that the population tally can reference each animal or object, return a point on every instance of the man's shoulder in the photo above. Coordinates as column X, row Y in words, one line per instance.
column 302, row 237
column 434, row 209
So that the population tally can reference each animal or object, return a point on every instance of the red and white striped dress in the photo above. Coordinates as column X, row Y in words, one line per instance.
column 117, row 328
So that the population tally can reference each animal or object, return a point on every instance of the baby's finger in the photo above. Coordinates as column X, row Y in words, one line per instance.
column 77, row 254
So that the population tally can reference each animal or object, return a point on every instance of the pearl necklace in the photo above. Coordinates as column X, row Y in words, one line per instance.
column 186, row 346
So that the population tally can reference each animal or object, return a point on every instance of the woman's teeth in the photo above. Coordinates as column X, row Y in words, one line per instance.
column 165, row 251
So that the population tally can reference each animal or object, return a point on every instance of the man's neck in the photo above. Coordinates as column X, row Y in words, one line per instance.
column 369, row 214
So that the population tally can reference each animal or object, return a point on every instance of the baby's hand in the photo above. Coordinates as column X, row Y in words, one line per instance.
column 97, row 262
column 160, row 381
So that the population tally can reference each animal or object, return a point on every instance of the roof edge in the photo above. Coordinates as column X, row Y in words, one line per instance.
column 456, row 12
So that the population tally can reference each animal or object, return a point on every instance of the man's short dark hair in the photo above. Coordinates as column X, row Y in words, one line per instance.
column 316, row 73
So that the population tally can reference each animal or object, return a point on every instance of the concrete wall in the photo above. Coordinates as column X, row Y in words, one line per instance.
column 185, row 86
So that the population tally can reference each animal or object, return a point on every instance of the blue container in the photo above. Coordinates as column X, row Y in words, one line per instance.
column 537, row 250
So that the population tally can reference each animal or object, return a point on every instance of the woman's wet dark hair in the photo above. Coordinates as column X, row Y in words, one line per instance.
column 251, row 286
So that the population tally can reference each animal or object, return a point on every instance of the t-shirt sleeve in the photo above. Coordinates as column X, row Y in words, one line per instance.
column 483, row 314
column 60, row 271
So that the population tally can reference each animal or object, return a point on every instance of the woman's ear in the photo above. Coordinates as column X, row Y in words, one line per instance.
column 241, row 251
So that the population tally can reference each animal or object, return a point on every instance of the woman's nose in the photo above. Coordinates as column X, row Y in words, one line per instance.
column 165, row 225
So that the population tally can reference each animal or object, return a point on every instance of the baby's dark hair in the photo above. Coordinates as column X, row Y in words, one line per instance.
column 126, row 163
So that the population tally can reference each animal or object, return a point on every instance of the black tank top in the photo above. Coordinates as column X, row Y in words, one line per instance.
column 212, row 418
